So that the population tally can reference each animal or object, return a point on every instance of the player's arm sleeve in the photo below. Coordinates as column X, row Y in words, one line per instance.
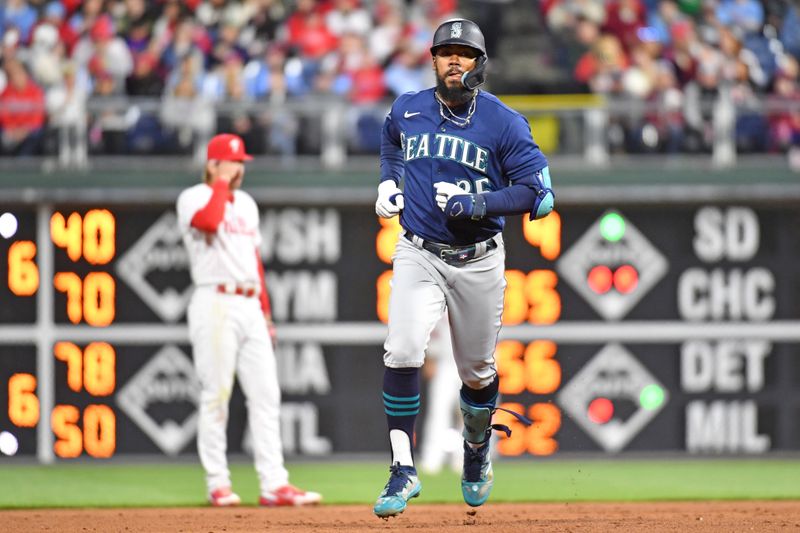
column 391, row 151
column 526, row 168
column 208, row 217
column 520, row 198
column 264, row 296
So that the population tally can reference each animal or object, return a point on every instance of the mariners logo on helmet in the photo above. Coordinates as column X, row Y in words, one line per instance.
column 459, row 31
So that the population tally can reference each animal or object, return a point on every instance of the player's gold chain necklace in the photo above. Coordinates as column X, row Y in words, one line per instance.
column 461, row 122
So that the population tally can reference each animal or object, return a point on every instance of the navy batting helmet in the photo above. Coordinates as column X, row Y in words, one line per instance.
column 459, row 31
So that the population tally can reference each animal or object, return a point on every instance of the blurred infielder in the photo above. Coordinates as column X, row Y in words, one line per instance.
column 466, row 160
column 230, row 325
column 441, row 435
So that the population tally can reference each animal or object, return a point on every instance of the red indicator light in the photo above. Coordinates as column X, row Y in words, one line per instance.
column 626, row 278
column 600, row 410
column 600, row 279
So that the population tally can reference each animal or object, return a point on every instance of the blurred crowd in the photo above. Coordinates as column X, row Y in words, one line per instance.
column 193, row 55
column 683, row 55
column 158, row 72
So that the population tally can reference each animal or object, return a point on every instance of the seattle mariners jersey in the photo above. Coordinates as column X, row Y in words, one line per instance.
column 229, row 255
column 421, row 147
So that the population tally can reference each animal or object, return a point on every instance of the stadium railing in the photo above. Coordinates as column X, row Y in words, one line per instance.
column 592, row 129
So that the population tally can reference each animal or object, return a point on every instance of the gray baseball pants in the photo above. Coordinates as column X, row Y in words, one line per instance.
column 423, row 285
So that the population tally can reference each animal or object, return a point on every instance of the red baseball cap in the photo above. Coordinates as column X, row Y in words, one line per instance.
column 227, row 147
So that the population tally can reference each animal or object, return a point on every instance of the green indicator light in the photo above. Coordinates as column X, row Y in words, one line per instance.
column 612, row 227
column 651, row 397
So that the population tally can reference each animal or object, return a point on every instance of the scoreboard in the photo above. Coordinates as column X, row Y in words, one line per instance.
column 627, row 328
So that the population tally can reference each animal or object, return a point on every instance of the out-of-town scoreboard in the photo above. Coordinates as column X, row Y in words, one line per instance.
column 626, row 328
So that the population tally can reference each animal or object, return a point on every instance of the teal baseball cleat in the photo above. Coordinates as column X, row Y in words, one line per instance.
column 403, row 485
column 477, row 477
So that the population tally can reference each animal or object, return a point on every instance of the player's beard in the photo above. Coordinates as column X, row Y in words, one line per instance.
column 453, row 96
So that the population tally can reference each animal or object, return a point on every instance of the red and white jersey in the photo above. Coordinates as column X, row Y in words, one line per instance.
column 226, row 256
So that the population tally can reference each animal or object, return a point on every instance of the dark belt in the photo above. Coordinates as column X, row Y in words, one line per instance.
column 450, row 254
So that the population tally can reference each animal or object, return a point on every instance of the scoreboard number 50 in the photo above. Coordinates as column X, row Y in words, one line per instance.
column 92, row 369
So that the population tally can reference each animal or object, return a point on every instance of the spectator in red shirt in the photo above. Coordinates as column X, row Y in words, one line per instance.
column 22, row 112
column 307, row 32
column 602, row 67
column 369, row 86
column 624, row 18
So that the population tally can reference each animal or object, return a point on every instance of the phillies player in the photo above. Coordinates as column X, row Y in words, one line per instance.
column 466, row 160
column 442, row 423
column 230, row 325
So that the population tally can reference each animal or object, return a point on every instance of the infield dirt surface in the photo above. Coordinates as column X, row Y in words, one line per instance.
column 759, row 516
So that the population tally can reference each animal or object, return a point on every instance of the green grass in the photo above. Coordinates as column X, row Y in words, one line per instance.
column 162, row 485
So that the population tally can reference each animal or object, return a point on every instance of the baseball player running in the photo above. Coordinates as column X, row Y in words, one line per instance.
column 230, row 325
column 466, row 160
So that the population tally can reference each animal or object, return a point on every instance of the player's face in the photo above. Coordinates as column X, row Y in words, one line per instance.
column 451, row 62
column 231, row 171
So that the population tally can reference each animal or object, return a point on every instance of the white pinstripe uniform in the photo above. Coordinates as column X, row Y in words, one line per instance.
column 229, row 337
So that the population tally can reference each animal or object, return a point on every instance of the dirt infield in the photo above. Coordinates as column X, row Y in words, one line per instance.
column 756, row 516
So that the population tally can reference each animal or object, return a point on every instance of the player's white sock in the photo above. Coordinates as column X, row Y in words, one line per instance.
column 401, row 447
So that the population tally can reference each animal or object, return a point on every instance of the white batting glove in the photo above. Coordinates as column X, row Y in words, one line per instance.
column 444, row 191
column 390, row 199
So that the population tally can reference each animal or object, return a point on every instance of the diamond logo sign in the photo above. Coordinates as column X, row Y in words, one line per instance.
column 613, row 397
column 143, row 267
column 162, row 399
column 612, row 266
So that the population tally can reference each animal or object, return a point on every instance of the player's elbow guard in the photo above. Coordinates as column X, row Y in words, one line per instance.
column 545, row 198
column 544, row 203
